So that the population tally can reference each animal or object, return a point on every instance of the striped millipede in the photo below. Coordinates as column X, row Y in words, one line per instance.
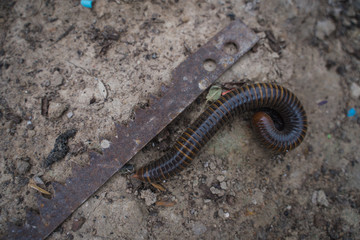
column 261, row 96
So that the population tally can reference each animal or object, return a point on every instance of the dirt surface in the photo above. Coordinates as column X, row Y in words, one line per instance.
column 63, row 67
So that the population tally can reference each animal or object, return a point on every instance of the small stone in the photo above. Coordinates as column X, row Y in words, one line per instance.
column 212, row 166
column 105, row 143
column 101, row 7
column 217, row 191
column 223, row 214
column 207, row 200
column 319, row 197
column 69, row 236
column 355, row 90
column 57, row 79
column 29, row 125
column 220, row 178
column 56, row 110
column 77, row 223
column 223, row 185
column 324, row 29
column 38, row 180
column 199, row 228
column 102, row 89
column 70, row 114
column 149, row 196
column 46, row 83
column 22, row 167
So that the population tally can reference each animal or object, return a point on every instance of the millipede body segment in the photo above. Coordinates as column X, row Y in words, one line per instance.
column 261, row 96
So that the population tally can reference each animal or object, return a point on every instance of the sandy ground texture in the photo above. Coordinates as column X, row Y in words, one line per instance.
column 63, row 67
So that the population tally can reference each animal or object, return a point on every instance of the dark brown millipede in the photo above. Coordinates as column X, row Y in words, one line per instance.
column 271, row 100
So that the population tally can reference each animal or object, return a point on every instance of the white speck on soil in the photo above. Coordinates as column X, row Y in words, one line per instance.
column 70, row 114
column 355, row 90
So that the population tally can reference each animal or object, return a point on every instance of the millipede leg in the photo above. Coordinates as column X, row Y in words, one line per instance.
column 159, row 187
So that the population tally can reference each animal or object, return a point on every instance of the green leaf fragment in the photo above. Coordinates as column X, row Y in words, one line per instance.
column 214, row 93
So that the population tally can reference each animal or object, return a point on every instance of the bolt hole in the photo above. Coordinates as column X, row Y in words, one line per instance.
column 209, row 65
column 230, row 48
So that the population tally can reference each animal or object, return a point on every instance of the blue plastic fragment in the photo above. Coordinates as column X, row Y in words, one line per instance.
column 351, row 112
column 87, row 3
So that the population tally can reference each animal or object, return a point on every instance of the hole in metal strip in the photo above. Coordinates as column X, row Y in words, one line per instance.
column 209, row 65
column 230, row 48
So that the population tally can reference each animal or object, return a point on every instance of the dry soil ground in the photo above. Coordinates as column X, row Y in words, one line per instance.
column 57, row 57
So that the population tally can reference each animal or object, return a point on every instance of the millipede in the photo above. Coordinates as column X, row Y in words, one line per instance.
column 280, row 122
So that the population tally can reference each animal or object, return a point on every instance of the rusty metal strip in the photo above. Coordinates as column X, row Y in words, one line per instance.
column 190, row 79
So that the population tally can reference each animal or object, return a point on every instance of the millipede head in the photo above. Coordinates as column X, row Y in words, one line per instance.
column 137, row 176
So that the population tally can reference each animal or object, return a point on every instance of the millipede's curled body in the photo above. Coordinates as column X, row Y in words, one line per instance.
column 247, row 98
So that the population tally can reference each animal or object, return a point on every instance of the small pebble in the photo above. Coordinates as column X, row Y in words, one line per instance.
column 220, row 178
column 56, row 109
column 29, row 125
column 223, row 185
column 319, row 197
column 77, row 223
column 105, row 144
column 212, row 166
column 22, row 167
column 324, row 28
column 223, row 214
column 355, row 90
column 38, row 180
column 217, row 191
column 199, row 228
column 149, row 196
column 70, row 114
column 57, row 79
